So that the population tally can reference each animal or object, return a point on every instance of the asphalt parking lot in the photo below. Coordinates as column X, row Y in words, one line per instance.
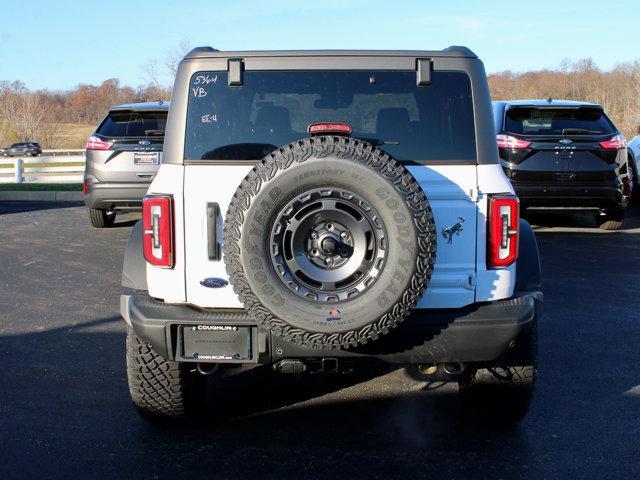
column 65, row 410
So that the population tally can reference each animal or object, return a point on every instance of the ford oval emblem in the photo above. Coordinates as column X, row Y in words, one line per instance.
column 213, row 282
column 144, row 142
column 566, row 141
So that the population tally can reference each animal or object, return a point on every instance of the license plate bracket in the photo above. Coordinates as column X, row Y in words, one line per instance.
column 215, row 343
column 146, row 158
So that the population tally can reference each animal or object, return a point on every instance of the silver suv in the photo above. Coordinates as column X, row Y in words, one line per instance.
column 122, row 156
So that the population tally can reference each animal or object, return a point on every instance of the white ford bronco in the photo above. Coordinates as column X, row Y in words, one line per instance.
column 324, row 211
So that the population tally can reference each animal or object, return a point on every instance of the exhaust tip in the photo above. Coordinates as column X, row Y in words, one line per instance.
column 428, row 369
column 453, row 368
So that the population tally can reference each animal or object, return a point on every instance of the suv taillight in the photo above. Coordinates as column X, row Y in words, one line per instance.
column 615, row 143
column 507, row 141
column 157, row 230
column 504, row 225
column 94, row 143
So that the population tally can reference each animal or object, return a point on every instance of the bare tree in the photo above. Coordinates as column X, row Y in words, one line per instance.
column 157, row 75
column 52, row 135
column 173, row 57
column 21, row 110
column 151, row 73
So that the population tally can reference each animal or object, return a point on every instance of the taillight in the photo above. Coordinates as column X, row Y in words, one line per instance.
column 157, row 230
column 94, row 143
column 85, row 187
column 504, row 224
column 507, row 141
column 615, row 143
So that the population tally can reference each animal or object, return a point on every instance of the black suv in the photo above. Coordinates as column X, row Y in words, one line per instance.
column 564, row 155
column 22, row 148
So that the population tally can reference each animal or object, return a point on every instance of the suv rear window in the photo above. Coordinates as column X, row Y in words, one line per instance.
column 273, row 108
column 557, row 121
column 129, row 123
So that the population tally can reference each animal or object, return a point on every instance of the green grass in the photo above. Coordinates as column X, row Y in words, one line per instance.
column 41, row 187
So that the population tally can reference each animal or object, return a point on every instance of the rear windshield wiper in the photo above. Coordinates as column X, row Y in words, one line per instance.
column 154, row 133
column 578, row 131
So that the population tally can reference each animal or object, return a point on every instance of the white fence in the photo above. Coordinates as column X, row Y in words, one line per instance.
column 57, row 169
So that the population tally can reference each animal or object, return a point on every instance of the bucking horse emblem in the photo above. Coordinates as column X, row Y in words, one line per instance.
column 449, row 231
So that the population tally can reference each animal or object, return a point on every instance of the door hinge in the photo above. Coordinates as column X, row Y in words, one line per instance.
column 475, row 194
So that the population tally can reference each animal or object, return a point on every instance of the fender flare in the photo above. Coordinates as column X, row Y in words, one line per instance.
column 528, row 271
column 134, row 267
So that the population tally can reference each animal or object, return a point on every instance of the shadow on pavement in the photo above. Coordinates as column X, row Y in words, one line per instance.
column 8, row 207
column 66, row 412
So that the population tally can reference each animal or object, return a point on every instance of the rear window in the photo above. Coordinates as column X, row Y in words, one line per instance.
column 273, row 108
column 557, row 121
column 128, row 123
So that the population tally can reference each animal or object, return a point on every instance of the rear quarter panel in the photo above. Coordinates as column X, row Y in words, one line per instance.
column 168, row 284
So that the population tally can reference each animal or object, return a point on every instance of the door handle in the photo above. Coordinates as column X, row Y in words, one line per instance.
column 213, row 246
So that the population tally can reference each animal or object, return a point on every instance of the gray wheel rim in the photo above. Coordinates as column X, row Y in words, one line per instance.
column 328, row 245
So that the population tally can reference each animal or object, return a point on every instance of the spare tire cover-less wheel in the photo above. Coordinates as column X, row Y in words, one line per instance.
column 329, row 242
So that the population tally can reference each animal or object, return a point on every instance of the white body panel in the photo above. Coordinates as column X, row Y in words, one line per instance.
column 208, row 184
column 168, row 284
column 460, row 276
column 491, row 284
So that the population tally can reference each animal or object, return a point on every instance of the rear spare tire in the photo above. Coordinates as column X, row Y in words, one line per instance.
column 329, row 242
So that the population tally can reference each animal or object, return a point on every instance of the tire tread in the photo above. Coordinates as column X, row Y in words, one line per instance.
column 353, row 150
column 160, row 389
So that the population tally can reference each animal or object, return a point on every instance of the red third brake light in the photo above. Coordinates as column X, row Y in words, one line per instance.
column 615, row 143
column 157, row 230
column 507, row 141
column 94, row 143
column 504, row 230
column 329, row 127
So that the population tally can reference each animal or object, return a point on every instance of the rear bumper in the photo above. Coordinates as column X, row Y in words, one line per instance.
column 576, row 196
column 477, row 333
column 116, row 196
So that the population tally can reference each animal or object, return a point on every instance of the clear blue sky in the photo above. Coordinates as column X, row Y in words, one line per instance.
column 59, row 44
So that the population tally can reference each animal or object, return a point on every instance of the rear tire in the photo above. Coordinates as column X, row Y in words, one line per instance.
column 611, row 221
column 101, row 218
column 501, row 394
column 161, row 390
